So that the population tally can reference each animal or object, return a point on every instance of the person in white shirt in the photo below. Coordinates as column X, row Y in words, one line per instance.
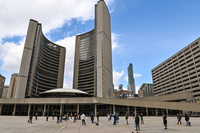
column 108, row 117
column 83, row 119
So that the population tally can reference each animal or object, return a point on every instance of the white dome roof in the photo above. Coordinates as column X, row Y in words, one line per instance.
column 64, row 90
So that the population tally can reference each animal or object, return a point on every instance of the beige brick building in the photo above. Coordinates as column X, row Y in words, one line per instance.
column 179, row 73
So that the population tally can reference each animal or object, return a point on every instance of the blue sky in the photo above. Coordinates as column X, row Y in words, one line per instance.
column 144, row 32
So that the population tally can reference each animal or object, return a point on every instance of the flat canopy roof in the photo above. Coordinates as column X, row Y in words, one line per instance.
column 64, row 90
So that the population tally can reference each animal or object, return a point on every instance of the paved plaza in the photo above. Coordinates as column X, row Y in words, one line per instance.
column 19, row 124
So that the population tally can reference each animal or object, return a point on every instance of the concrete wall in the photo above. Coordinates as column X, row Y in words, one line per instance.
column 61, row 68
column 104, row 51
column 26, row 58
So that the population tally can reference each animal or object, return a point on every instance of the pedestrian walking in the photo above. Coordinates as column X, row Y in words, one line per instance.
column 71, row 115
column 75, row 115
column 108, row 117
column 165, row 121
column 36, row 116
column 92, row 117
column 179, row 118
column 141, row 117
column 53, row 115
column 61, row 117
column 83, row 119
column 137, row 122
column 126, row 117
column 30, row 118
column 97, row 116
column 58, row 116
column 187, row 120
column 47, row 117
column 115, row 118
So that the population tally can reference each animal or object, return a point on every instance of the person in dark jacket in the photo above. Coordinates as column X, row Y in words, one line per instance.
column 61, row 117
column 165, row 121
column 58, row 116
column 141, row 117
column 97, row 116
column 126, row 117
column 36, row 116
column 115, row 119
column 47, row 116
column 53, row 115
column 137, row 122
column 30, row 118
column 92, row 117
column 187, row 120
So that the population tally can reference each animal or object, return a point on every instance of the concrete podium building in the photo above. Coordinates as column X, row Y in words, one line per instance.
column 93, row 56
column 179, row 73
column 42, row 64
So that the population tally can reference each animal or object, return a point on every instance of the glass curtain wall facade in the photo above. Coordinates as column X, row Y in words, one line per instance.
column 131, row 80
column 42, row 65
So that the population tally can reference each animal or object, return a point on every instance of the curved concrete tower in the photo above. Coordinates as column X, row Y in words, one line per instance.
column 93, row 56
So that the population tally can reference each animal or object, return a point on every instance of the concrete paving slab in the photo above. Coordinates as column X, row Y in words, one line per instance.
column 19, row 124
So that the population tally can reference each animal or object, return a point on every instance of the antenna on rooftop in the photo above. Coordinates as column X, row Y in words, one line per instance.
column 83, row 28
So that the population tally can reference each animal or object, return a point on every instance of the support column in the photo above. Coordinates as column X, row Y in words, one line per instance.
column 156, row 112
column 95, row 109
column 167, row 112
column 110, row 109
column 29, row 109
column 179, row 111
column 78, row 108
column 34, row 110
column 147, row 111
column 128, row 109
column 1, row 108
column 44, row 112
column 135, row 110
column 63, row 109
column 14, row 110
column 113, row 109
column 48, row 109
column 60, row 108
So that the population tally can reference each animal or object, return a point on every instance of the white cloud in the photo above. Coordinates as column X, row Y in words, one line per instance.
column 116, row 77
column 10, row 55
column 52, row 14
column 69, row 44
column 136, row 75
column 115, row 39
column 136, row 89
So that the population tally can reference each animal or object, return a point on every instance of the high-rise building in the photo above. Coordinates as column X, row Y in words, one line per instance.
column 13, row 85
column 146, row 90
column 5, row 91
column 93, row 56
column 120, row 87
column 2, row 81
column 42, row 64
column 179, row 73
column 131, row 80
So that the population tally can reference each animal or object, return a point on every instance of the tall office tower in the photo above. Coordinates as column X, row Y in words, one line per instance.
column 42, row 64
column 147, row 90
column 5, row 91
column 179, row 73
column 2, row 81
column 93, row 56
column 131, row 80
column 121, row 87
column 13, row 85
